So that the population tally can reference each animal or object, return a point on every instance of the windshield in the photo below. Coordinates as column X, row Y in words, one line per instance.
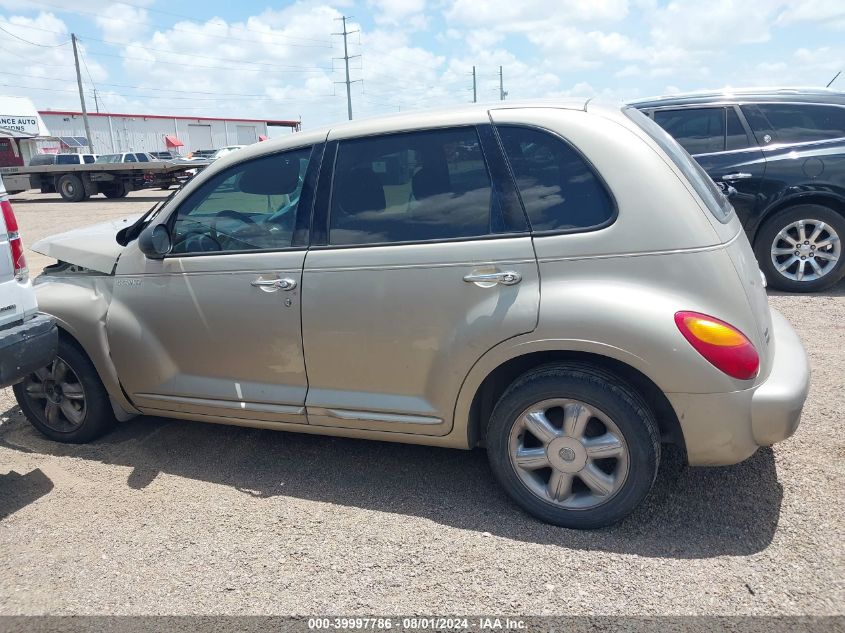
column 704, row 186
column 108, row 158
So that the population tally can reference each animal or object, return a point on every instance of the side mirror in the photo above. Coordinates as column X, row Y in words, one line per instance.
column 155, row 241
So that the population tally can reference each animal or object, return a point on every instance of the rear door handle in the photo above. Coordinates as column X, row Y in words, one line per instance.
column 505, row 278
column 740, row 175
column 272, row 285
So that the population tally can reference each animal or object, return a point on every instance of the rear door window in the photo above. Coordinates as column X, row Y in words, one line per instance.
column 560, row 190
column 142, row 158
column 795, row 122
column 698, row 130
column 67, row 159
column 410, row 187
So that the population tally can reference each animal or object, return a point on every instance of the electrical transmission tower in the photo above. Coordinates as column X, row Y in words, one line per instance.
column 346, row 57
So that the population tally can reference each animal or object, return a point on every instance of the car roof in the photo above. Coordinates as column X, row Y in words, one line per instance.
column 466, row 114
column 745, row 95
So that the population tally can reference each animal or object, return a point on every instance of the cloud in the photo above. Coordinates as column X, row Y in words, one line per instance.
column 39, row 60
column 121, row 22
column 523, row 15
column 408, row 14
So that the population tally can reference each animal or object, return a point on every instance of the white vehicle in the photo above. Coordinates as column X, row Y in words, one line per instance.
column 62, row 159
column 126, row 157
column 27, row 339
column 220, row 153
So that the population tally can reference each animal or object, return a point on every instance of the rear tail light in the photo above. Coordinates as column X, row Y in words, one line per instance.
column 15, row 242
column 725, row 347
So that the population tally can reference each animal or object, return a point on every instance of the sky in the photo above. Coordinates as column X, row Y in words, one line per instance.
column 280, row 60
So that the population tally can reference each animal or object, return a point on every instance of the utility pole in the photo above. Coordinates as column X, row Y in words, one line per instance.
column 346, row 57
column 502, row 93
column 474, row 91
column 96, row 102
column 81, row 94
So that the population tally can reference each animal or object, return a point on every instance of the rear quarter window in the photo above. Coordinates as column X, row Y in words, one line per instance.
column 559, row 189
column 704, row 186
column 795, row 122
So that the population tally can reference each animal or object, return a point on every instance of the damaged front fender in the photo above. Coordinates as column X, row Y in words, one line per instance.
column 79, row 303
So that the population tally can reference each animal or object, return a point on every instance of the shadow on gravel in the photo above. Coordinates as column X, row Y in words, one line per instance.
column 18, row 491
column 691, row 513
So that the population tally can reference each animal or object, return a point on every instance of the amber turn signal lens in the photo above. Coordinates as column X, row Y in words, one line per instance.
column 724, row 346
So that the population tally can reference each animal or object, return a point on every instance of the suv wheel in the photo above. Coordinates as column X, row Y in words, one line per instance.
column 574, row 446
column 800, row 248
column 66, row 400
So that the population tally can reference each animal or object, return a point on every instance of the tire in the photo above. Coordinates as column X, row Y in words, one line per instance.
column 71, row 188
column 116, row 190
column 609, row 410
column 94, row 411
column 781, row 232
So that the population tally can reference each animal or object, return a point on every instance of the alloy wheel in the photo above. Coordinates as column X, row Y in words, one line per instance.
column 806, row 250
column 56, row 393
column 569, row 453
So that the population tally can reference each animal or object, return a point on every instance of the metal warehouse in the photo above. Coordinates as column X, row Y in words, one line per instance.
column 114, row 132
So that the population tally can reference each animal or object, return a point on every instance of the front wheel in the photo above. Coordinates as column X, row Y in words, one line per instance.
column 66, row 400
column 574, row 446
column 800, row 250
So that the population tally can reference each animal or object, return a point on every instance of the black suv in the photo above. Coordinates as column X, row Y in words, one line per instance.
column 780, row 157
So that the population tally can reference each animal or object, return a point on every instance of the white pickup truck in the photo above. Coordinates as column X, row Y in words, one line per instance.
column 28, row 338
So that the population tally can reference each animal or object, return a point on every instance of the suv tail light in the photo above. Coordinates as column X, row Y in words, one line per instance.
column 15, row 242
column 725, row 347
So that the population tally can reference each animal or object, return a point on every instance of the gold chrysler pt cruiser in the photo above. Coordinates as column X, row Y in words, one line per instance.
column 559, row 283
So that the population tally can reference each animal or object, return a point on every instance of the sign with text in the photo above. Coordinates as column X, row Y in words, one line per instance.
column 25, row 125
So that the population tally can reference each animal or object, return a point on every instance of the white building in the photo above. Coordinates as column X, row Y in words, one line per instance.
column 22, row 131
column 113, row 132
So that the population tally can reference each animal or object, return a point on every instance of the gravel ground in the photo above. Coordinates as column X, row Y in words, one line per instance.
column 171, row 517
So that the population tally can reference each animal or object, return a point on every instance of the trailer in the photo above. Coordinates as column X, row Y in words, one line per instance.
column 76, row 183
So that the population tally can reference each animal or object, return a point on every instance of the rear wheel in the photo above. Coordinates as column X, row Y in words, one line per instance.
column 800, row 250
column 115, row 190
column 66, row 400
column 71, row 188
column 574, row 446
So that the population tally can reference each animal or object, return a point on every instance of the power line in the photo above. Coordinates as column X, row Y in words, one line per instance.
column 172, row 52
column 169, row 98
column 184, row 64
column 33, row 43
column 5, row 50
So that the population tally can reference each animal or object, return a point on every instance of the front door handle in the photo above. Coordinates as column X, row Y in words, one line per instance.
column 272, row 285
column 506, row 278
column 740, row 175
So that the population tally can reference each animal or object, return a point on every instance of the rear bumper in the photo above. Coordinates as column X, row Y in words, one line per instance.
column 777, row 403
column 27, row 347
column 726, row 428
